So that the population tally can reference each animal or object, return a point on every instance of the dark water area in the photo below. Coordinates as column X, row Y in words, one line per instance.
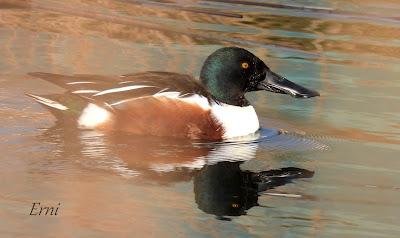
column 321, row 167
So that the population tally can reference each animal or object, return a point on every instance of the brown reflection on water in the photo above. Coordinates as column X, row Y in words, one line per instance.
column 60, row 17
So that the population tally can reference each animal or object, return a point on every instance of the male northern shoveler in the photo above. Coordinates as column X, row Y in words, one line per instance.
column 171, row 104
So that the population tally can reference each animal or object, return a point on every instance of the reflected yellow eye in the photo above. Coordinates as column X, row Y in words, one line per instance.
column 245, row 65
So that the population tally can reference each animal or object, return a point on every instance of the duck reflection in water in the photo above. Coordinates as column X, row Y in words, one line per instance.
column 221, row 187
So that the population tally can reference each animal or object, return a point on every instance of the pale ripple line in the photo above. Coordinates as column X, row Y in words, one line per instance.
column 288, row 195
column 272, row 139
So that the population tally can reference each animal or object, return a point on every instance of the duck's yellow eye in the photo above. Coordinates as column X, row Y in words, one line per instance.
column 245, row 65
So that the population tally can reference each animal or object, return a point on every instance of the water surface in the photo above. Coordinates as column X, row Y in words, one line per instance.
column 339, row 160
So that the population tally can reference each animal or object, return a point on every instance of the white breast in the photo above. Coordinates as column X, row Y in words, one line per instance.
column 236, row 121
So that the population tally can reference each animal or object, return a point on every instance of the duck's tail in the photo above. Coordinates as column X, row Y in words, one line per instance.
column 48, row 103
column 64, row 107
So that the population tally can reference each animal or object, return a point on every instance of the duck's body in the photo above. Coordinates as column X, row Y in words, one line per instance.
column 169, row 104
column 152, row 103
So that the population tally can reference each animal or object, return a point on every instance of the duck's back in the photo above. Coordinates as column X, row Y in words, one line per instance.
column 151, row 103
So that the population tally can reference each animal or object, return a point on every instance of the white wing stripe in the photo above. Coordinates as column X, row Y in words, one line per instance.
column 123, row 82
column 124, row 101
column 115, row 90
column 86, row 91
column 194, row 99
column 49, row 102
column 167, row 94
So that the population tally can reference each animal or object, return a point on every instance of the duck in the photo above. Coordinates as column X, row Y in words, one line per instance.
column 168, row 104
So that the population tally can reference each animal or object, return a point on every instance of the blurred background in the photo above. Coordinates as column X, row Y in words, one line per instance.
column 349, row 51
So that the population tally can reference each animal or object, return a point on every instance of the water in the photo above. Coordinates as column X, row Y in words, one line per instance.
column 335, row 173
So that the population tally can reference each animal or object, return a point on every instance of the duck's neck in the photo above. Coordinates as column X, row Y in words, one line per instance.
column 228, row 96
column 226, row 91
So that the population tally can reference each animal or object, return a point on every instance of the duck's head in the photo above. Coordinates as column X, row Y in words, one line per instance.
column 230, row 72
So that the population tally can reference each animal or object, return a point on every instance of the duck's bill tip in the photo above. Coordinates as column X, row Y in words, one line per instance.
column 309, row 94
column 278, row 84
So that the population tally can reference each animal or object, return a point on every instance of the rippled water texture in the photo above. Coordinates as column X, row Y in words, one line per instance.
column 335, row 172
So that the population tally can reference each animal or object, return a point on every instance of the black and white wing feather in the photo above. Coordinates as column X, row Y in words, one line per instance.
column 116, row 90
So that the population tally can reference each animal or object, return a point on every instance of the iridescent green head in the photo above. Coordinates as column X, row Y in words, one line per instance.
column 230, row 72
